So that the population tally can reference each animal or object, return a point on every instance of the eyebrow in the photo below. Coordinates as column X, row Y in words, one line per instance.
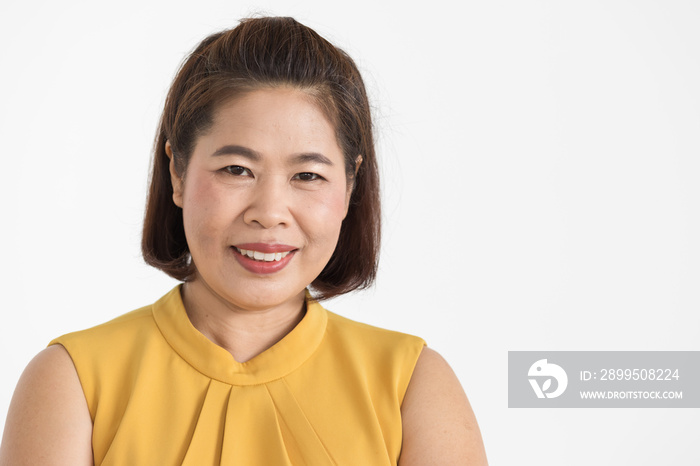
column 313, row 157
column 233, row 149
column 237, row 150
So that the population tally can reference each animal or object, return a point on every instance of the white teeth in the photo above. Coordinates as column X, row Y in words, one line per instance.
column 261, row 256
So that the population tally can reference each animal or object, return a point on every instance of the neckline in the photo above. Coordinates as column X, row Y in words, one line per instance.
column 215, row 362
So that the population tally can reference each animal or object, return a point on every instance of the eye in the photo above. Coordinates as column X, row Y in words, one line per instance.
column 237, row 170
column 308, row 176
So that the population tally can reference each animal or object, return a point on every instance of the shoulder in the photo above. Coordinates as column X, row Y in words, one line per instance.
column 48, row 421
column 126, row 333
column 134, row 321
column 374, row 343
column 374, row 337
column 112, row 343
column 438, row 422
column 105, row 357
column 384, row 357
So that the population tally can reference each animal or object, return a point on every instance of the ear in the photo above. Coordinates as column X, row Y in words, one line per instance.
column 351, row 185
column 175, row 179
column 358, row 162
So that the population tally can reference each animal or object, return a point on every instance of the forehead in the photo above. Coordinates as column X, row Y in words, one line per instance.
column 271, row 118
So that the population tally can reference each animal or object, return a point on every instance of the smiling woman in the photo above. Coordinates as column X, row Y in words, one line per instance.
column 286, row 192
column 267, row 178
column 264, row 200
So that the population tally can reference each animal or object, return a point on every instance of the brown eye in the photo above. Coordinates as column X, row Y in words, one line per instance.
column 237, row 170
column 308, row 176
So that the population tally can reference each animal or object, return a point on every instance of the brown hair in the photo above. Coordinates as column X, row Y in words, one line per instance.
column 268, row 52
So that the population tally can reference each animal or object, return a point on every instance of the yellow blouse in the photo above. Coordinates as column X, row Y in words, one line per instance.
column 161, row 393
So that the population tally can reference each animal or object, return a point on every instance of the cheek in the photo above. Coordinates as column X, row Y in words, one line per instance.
column 324, row 217
column 201, row 212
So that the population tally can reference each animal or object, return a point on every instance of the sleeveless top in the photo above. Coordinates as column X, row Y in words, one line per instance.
column 160, row 393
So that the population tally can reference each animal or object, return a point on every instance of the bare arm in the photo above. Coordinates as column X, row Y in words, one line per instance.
column 48, row 422
column 439, row 427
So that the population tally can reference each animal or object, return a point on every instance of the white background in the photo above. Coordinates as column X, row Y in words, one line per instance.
column 540, row 165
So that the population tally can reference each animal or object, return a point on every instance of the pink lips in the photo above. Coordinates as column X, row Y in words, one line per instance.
column 262, row 267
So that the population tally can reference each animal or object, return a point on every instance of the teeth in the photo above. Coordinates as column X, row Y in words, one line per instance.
column 261, row 256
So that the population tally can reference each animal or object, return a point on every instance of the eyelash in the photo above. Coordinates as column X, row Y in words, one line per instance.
column 231, row 168
column 237, row 170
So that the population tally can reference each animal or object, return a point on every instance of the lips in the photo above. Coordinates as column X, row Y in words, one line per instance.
column 263, row 258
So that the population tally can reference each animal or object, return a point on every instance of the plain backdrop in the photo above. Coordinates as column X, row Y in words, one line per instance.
column 540, row 164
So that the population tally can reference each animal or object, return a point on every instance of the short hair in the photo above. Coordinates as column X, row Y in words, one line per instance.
column 261, row 53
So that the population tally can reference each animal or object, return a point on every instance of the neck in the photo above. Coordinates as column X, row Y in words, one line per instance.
column 245, row 333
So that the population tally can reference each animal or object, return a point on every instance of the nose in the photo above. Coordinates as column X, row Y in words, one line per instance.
column 268, row 206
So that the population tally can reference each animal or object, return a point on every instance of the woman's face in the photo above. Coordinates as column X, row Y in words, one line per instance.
column 263, row 198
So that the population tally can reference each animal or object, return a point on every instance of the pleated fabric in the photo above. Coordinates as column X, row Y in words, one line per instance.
column 161, row 393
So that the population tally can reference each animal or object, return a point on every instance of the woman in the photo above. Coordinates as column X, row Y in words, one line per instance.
column 264, row 184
